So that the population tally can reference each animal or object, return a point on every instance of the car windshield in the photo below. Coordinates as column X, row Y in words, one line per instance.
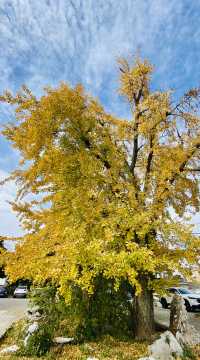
column 22, row 287
column 184, row 291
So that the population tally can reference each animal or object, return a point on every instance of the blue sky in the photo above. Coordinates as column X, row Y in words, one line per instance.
column 45, row 41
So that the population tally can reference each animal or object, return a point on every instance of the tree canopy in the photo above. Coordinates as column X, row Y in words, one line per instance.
column 103, row 195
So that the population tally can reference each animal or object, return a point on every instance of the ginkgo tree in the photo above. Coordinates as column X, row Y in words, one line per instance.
column 103, row 196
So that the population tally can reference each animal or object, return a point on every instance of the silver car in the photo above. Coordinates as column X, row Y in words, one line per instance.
column 191, row 298
column 20, row 291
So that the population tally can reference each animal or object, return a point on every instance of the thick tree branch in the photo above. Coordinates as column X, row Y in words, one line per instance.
column 149, row 163
column 135, row 145
column 192, row 169
column 135, row 129
column 179, row 136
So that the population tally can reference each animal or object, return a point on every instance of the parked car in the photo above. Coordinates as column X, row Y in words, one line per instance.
column 3, row 292
column 21, row 291
column 3, row 282
column 191, row 298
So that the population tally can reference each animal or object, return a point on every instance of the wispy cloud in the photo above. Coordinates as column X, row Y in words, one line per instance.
column 79, row 40
column 44, row 42
column 8, row 224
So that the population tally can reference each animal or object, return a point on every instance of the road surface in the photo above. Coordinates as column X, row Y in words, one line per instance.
column 162, row 317
column 11, row 310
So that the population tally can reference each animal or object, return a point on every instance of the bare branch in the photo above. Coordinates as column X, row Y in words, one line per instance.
column 149, row 162
column 135, row 144
column 192, row 169
column 179, row 136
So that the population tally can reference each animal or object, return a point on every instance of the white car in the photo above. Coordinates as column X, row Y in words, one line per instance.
column 191, row 298
column 21, row 291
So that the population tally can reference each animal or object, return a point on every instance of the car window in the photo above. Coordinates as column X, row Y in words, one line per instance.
column 184, row 291
column 173, row 291
column 22, row 287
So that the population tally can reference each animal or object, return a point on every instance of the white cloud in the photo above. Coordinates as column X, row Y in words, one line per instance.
column 80, row 39
column 46, row 41
column 8, row 223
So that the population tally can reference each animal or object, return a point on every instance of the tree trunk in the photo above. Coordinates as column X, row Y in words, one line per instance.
column 143, row 313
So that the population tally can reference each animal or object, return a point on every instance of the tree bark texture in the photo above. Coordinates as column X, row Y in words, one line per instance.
column 143, row 313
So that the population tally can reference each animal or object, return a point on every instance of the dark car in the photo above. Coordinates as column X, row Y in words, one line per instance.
column 3, row 292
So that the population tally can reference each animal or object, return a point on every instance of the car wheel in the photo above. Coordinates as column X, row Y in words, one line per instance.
column 164, row 303
column 187, row 305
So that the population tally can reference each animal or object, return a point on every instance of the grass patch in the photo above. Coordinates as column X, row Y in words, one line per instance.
column 188, row 353
column 196, row 351
column 106, row 347
column 13, row 335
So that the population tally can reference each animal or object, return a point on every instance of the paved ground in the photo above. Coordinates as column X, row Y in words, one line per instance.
column 162, row 317
column 11, row 310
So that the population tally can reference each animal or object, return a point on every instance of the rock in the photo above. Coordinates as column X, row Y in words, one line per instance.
column 33, row 328
column 166, row 347
column 91, row 358
column 30, row 331
column 34, row 313
column 63, row 340
column 147, row 358
column 26, row 339
column 156, row 301
column 10, row 349
column 32, row 310
column 34, row 317
column 190, row 337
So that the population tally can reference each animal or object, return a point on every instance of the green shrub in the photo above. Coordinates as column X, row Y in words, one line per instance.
column 38, row 343
column 188, row 353
column 107, row 311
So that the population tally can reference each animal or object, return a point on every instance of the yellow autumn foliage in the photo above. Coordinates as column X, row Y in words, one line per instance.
column 96, row 193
